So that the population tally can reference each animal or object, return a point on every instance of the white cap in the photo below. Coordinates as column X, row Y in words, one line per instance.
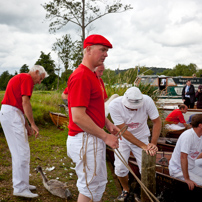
column 133, row 98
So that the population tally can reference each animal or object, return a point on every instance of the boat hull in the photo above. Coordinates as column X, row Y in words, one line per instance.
column 59, row 119
column 168, row 189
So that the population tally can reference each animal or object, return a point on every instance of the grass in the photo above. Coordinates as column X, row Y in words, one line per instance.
column 48, row 150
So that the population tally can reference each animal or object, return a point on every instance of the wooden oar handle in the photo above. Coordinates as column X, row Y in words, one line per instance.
column 122, row 131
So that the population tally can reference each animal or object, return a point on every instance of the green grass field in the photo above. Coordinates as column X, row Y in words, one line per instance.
column 48, row 151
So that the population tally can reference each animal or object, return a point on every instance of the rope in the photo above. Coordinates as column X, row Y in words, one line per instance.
column 84, row 157
column 119, row 155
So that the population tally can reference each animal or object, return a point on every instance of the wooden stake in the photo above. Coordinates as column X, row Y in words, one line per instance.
column 148, row 174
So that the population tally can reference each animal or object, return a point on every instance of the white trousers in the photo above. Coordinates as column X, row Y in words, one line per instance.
column 13, row 124
column 195, row 175
column 91, row 170
column 198, row 162
column 178, row 126
column 125, row 147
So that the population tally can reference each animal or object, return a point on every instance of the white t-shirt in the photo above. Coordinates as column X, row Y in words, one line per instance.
column 135, row 120
column 188, row 143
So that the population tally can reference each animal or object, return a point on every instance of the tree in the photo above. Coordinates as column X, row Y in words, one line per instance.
column 181, row 70
column 48, row 64
column 64, row 48
column 78, row 54
column 82, row 13
column 24, row 69
column 4, row 79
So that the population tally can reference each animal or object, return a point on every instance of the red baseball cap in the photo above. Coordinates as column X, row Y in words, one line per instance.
column 96, row 39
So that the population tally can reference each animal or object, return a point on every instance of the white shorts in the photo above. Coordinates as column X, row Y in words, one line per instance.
column 198, row 162
column 178, row 126
column 125, row 147
column 95, row 169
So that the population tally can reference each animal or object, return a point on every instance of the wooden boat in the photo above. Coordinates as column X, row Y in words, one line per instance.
column 166, row 144
column 59, row 119
column 174, row 133
column 168, row 189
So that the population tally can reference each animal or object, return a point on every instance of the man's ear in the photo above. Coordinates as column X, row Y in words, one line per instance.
column 88, row 49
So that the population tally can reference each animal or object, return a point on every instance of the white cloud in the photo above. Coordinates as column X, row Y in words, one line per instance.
column 155, row 33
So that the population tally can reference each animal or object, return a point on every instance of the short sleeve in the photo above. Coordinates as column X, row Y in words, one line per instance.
column 151, row 108
column 27, row 86
column 115, row 112
column 79, row 91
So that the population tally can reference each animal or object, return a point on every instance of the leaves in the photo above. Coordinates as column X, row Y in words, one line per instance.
column 24, row 69
column 81, row 13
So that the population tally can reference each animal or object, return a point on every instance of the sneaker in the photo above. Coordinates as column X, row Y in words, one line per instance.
column 26, row 193
column 123, row 196
column 32, row 187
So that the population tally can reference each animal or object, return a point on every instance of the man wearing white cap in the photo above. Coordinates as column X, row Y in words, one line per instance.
column 133, row 110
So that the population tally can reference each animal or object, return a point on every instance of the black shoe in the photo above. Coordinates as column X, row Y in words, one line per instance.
column 123, row 196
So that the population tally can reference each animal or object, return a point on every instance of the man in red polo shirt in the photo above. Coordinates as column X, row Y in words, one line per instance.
column 15, row 106
column 86, row 138
column 175, row 120
column 99, row 71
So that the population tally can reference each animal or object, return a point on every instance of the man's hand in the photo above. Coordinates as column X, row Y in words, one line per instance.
column 112, row 141
column 151, row 149
column 29, row 130
column 191, row 184
column 35, row 129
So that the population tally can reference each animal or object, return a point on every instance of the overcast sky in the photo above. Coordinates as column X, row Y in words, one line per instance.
column 156, row 33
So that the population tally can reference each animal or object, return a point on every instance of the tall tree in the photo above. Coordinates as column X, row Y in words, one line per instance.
column 182, row 70
column 64, row 48
column 24, row 69
column 82, row 13
column 4, row 79
column 78, row 54
column 49, row 65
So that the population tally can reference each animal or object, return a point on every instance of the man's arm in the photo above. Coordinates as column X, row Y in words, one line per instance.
column 156, row 130
column 152, row 147
column 183, row 94
column 28, row 113
column 129, row 136
column 111, row 127
column 199, row 156
column 184, row 166
column 186, row 125
column 84, row 122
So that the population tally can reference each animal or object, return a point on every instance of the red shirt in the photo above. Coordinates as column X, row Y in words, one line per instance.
column 65, row 91
column 19, row 85
column 103, row 89
column 175, row 117
column 84, row 90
